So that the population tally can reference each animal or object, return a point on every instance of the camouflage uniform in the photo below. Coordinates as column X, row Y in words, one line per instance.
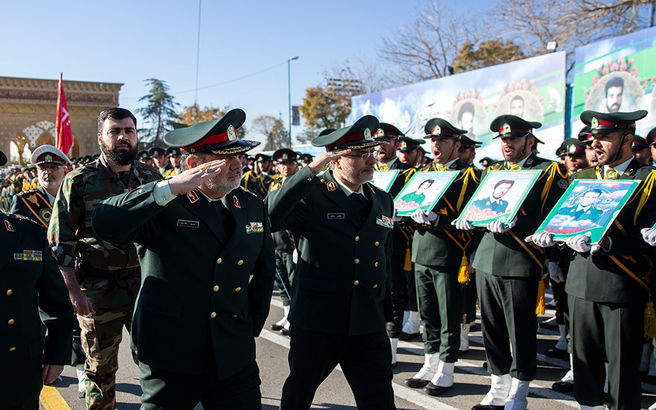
column 108, row 274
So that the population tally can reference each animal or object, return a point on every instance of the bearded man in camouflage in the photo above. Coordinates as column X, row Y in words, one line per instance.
column 102, row 279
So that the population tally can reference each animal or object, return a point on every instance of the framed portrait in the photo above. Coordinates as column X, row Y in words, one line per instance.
column 423, row 191
column 588, row 207
column 384, row 179
column 499, row 196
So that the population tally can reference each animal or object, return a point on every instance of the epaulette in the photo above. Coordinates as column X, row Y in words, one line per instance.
column 246, row 191
column 23, row 193
column 20, row 218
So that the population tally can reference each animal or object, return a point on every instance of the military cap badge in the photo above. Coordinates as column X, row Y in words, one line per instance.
column 437, row 130
column 285, row 156
column 380, row 133
column 48, row 158
column 594, row 123
column 231, row 133
column 572, row 149
column 404, row 145
column 367, row 133
column 506, row 128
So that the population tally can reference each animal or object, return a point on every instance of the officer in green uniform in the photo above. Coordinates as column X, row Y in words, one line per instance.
column 102, row 278
column 30, row 283
column 206, row 255
column 608, row 283
column 508, row 269
column 467, row 152
column 438, row 252
column 341, row 295
column 258, row 180
column 36, row 204
column 408, row 150
column 386, row 153
column 286, row 162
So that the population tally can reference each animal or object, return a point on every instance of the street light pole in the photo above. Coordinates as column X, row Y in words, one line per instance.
column 289, row 94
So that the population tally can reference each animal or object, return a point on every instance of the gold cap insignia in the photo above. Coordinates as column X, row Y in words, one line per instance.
column 231, row 133
column 594, row 124
column 404, row 145
column 506, row 128
column 380, row 133
column 367, row 133
column 48, row 158
column 285, row 156
column 572, row 149
column 436, row 130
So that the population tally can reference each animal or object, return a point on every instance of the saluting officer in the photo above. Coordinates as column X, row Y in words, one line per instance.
column 438, row 252
column 206, row 254
column 508, row 269
column 341, row 295
column 608, row 283
column 30, row 283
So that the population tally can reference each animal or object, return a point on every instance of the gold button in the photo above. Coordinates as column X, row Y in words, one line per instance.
column 309, row 179
column 357, row 238
column 356, row 261
column 218, row 261
column 216, row 288
column 11, row 349
column 375, row 285
column 235, row 315
column 9, row 292
column 237, row 289
column 356, row 282
column 376, row 243
column 213, row 315
column 375, row 264
column 240, row 262
column 11, row 322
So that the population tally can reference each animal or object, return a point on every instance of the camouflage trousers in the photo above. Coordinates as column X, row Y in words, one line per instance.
column 101, row 333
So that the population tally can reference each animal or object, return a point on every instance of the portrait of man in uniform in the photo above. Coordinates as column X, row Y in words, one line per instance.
column 517, row 105
column 495, row 203
column 614, row 91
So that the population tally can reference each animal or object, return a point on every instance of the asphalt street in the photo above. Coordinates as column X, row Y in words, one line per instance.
column 472, row 380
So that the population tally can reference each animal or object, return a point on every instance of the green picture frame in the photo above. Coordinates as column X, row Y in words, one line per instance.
column 384, row 179
column 499, row 196
column 588, row 207
column 423, row 191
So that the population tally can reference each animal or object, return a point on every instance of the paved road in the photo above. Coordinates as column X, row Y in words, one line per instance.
column 472, row 381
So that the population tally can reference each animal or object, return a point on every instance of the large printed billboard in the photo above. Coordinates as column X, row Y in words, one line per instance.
column 617, row 74
column 533, row 88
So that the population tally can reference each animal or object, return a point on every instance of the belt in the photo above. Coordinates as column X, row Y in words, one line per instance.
column 92, row 273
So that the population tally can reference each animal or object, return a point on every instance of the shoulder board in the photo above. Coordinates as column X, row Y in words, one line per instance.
column 28, row 192
column 241, row 190
column 20, row 218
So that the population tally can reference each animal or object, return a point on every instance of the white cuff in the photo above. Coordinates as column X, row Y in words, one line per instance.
column 162, row 193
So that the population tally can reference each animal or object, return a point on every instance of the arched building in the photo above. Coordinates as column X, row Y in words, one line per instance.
column 28, row 108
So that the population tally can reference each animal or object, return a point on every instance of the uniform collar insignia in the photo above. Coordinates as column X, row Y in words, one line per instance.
column 8, row 226
column 331, row 186
column 192, row 196
column 235, row 201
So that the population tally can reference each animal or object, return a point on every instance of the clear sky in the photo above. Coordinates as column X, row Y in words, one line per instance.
column 129, row 41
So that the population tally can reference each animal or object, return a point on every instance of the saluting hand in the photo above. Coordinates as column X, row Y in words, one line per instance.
column 192, row 178
column 319, row 162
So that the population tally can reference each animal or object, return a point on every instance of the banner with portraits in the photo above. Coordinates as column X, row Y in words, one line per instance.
column 533, row 88
column 616, row 74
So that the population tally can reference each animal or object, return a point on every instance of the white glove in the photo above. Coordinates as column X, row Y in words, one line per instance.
column 649, row 235
column 462, row 225
column 423, row 217
column 499, row 227
column 541, row 239
column 555, row 273
column 580, row 243
column 396, row 217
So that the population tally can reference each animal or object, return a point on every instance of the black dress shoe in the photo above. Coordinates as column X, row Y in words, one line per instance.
column 276, row 327
column 487, row 407
column 409, row 336
column 415, row 383
column 557, row 353
column 563, row 387
column 285, row 332
column 434, row 390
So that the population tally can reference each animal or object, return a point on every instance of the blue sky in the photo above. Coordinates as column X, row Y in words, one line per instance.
column 127, row 42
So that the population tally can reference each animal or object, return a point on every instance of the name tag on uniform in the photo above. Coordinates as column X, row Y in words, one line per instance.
column 185, row 223
column 385, row 222
column 254, row 227
column 28, row 255
column 333, row 216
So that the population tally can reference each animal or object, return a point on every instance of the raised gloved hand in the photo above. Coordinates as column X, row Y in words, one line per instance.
column 462, row 225
column 649, row 235
column 555, row 273
column 424, row 217
column 541, row 239
column 499, row 227
column 580, row 243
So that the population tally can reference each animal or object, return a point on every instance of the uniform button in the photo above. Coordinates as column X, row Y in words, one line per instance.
column 11, row 322
column 375, row 264
column 218, row 261
column 237, row 289
column 216, row 288
column 357, row 238
column 10, row 292
column 375, row 285
column 235, row 316
column 309, row 179
column 356, row 261
column 213, row 315
column 240, row 262
column 356, row 282
column 11, row 349
column 376, row 243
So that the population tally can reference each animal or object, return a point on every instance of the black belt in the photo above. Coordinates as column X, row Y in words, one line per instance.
column 92, row 273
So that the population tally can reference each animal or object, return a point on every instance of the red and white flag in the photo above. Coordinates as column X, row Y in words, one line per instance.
column 63, row 122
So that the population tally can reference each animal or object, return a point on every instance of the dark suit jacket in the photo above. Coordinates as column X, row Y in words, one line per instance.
column 597, row 277
column 205, row 292
column 28, row 284
column 341, row 283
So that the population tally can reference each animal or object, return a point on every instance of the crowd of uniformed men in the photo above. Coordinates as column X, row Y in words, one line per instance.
column 168, row 245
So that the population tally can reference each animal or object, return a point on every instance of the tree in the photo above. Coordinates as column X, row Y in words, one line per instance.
column 487, row 53
column 273, row 130
column 159, row 111
column 193, row 114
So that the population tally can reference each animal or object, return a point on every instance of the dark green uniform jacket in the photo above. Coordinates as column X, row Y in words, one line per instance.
column 433, row 245
column 33, row 204
column 196, row 308
column 506, row 254
column 597, row 277
column 341, row 280
column 29, row 280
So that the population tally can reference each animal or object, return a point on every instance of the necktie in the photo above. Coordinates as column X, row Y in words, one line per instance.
column 611, row 173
